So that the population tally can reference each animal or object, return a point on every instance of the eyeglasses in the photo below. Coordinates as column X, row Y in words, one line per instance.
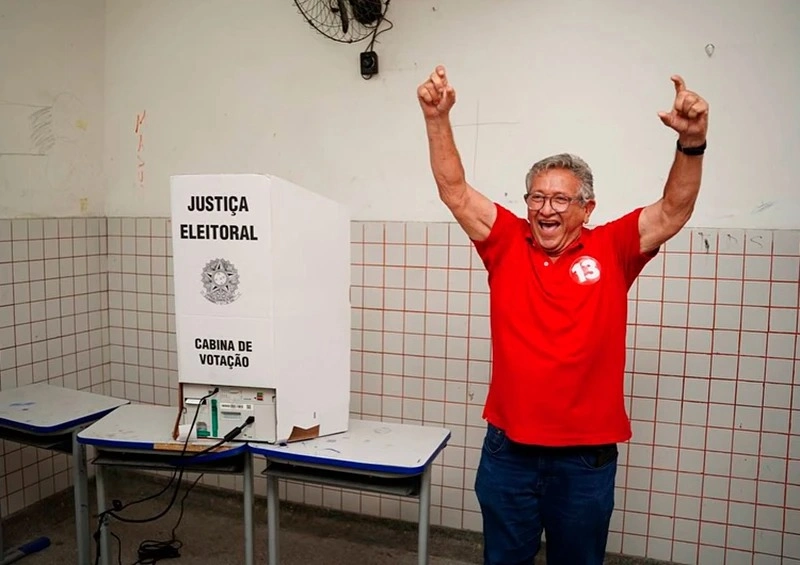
column 558, row 202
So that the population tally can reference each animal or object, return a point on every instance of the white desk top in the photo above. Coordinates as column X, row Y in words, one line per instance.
column 379, row 447
column 47, row 409
column 147, row 427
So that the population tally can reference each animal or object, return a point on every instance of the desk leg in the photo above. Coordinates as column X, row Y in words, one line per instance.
column 273, row 511
column 424, row 516
column 105, row 559
column 248, row 509
column 81, row 489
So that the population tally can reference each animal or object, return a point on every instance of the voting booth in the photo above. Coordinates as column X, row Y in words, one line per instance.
column 261, row 272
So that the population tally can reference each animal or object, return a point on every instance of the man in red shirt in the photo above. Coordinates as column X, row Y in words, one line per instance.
column 558, row 309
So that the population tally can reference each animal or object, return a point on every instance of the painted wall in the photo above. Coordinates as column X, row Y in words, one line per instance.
column 51, row 108
column 251, row 87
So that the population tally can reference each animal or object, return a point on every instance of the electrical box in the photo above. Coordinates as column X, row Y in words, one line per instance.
column 216, row 414
column 261, row 271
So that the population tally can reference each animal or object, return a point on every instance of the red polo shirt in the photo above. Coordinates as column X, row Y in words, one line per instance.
column 558, row 331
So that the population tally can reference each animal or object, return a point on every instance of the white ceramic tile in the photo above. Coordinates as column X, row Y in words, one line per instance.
column 776, row 420
column 676, row 265
column 648, row 312
column 758, row 242
column 374, row 232
column 645, row 361
column 755, row 318
column 698, row 365
column 729, row 292
column 437, row 256
column 438, row 234
column 730, row 267
column 768, row 541
column 458, row 280
column 712, row 534
column 681, row 242
column 757, row 293
column 757, row 267
column 459, row 257
column 395, row 233
column 636, row 522
column 745, row 442
column 458, row 236
column 458, row 324
column 783, row 320
column 478, row 281
column 687, row 530
column 703, row 265
column 753, row 343
column 671, row 363
column 415, row 233
column 698, row 341
column 783, row 294
column 373, row 253
column 742, row 539
column 780, row 371
column 691, row 464
column 780, row 345
column 744, row 467
column 786, row 242
column 648, row 337
column 394, row 277
column 415, row 255
column 13, row 229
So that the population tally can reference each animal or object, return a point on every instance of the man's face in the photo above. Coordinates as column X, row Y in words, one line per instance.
column 552, row 229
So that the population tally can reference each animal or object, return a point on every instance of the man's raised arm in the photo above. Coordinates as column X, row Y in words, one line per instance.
column 472, row 210
column 666, row 217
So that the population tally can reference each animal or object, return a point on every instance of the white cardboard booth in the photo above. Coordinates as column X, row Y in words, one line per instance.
column 262, row 307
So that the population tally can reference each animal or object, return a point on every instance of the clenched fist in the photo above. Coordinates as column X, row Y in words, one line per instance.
column 436, row 96
column 689, row 115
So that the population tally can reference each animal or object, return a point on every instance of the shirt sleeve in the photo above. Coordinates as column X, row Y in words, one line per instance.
column 624, row 235
column 492, row 249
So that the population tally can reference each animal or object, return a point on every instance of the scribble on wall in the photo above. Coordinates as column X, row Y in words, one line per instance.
column 26, row 130
column 42, row 135
column 138, row 130
column 47, row 145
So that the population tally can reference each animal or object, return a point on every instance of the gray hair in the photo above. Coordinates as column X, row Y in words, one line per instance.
column 568, row 162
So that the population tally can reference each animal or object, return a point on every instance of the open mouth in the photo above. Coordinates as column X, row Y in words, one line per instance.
column 549, row 225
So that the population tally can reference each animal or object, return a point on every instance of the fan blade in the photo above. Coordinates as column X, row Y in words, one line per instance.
column 343, row 16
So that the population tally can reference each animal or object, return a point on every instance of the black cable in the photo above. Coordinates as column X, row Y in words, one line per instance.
column 376, row 33
column 151, row 551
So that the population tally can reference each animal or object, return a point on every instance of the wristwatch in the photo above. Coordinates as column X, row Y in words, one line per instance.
column 699, row 150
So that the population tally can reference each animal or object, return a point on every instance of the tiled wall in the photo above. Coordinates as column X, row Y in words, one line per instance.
column 141, row 311
column 53, row 328
column 711, row 476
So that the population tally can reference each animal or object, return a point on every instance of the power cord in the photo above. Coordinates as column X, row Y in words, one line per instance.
column 152, row 551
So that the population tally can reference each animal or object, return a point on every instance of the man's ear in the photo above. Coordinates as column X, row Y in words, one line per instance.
column 588, row 208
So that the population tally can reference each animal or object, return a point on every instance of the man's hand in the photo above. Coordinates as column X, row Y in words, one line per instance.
column 689, row 115
column 436, row 96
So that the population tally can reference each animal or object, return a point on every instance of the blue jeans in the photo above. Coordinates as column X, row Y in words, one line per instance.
column 567, row 492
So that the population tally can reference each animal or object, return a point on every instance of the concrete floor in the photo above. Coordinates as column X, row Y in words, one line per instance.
column 211, row 532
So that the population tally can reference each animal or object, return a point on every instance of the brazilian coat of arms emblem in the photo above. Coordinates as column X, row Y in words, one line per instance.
column 220, row 281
